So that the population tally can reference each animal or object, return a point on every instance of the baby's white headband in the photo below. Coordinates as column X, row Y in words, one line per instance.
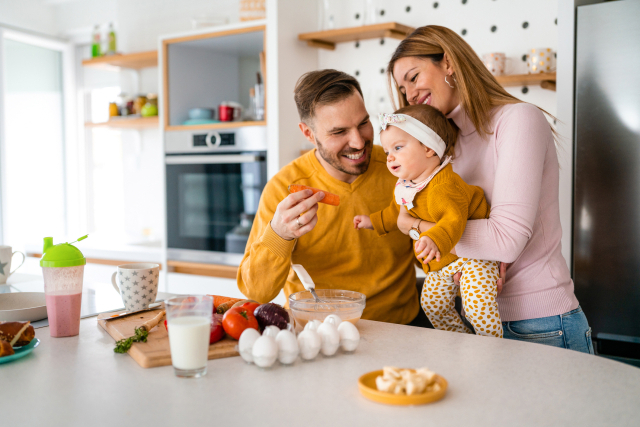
column 416, row 129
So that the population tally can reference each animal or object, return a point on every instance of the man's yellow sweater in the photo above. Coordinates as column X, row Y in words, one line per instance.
column 447, row 201
column 336, row 255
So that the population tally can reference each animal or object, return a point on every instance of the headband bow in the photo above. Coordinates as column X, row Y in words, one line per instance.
column 423, row 133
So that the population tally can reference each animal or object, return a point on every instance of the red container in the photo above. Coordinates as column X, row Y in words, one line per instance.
column 225, row 113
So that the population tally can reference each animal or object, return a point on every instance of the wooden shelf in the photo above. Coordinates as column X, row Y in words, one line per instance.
column 134, row 61
column 128, row 123
column 328, row 39
column 545, row 80
column 222, row 125
column 211, row 270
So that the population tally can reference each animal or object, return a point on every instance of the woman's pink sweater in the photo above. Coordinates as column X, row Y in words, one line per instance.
column 517, row 167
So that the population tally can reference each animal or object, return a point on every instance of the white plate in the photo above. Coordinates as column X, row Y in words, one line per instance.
column 22, row 306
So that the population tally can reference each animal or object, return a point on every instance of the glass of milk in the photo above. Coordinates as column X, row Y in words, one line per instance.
column 189, row 327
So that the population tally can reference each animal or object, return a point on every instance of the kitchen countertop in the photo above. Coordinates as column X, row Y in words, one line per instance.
column 80, row 381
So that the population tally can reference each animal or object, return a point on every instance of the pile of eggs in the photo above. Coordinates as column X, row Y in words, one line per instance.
column 282, row 345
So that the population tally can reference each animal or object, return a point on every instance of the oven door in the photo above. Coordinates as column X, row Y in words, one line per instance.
column 212, row 198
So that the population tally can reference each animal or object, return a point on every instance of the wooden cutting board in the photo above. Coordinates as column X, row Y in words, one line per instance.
column 155, row 352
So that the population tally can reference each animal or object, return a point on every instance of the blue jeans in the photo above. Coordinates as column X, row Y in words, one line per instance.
column 569, row 330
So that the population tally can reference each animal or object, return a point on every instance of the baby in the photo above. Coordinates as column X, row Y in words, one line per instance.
column 419, row 143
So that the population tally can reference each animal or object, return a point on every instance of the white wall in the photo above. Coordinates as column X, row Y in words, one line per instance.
column 30, row 15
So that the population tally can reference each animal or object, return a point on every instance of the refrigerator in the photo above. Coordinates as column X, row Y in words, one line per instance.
column 606, row 205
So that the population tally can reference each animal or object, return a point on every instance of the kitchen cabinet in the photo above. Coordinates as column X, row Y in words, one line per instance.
column 204, row 69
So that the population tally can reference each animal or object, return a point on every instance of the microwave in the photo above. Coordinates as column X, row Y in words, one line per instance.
column 214, row 180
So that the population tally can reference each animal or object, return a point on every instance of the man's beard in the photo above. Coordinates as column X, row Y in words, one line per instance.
column 334, row 159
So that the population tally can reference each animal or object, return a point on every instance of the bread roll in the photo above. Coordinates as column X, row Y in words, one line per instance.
column 8, row 331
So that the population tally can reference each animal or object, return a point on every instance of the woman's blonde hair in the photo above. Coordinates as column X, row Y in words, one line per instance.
column 479, row 90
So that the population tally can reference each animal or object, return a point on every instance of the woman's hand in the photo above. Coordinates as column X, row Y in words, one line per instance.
column 362, row 221
column 405, row 221
column 427, row 248
column 499, row 283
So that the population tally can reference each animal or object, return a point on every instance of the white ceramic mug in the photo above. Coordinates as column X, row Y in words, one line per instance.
column 496, row 62
column 541, row 60
column 137, row 284
column 5, row 263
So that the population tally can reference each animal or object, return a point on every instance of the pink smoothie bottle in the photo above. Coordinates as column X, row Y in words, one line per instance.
column 63, row 269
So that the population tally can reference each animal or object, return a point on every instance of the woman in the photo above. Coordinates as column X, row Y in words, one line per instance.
column 506, row 147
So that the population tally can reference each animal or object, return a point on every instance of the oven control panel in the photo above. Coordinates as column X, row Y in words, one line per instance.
column 244, row 138
column 214, row 139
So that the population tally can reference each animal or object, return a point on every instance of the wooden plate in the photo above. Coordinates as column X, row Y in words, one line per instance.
column 367, row 386
column 22, row 306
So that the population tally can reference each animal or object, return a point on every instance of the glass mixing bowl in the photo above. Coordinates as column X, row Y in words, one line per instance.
column 346, row 304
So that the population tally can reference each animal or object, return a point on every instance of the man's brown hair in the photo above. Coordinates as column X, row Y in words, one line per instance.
column 433, row 118
column 322, row 87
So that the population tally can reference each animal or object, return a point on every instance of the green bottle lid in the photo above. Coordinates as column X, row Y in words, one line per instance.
column 62, row 254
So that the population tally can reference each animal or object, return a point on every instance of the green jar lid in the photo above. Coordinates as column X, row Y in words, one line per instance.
column 62, row 254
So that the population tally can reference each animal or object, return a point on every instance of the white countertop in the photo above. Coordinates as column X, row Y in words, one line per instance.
column 79, row 381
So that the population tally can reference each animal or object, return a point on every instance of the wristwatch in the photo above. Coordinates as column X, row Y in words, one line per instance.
column 414, row 233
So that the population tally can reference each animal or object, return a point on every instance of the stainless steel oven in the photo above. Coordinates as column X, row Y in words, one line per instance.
column 214, row 182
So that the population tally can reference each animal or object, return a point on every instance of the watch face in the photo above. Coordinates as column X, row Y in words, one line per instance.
column 414, row 234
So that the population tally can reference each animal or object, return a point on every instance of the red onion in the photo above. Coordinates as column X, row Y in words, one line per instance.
column 271, row 314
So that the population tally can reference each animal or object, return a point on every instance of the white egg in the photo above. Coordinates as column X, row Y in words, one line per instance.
column 349, row 336
column 313, row 325
column 309, row 342
column 245, row 343
column 271, row 331
column 265, row 351
column 333, row 318
column 287, row 347
column 330, row 338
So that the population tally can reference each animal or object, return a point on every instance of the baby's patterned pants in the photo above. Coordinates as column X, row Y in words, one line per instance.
column 477, row 289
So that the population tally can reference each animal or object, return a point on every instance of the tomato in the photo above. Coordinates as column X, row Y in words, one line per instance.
column 237, row 319
column 217, row 331
column 165, row 325
column 251, row 306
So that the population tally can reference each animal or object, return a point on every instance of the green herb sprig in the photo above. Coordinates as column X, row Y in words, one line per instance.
column 124, row 345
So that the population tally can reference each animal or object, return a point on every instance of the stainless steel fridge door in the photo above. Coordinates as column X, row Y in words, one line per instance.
column 606, row 216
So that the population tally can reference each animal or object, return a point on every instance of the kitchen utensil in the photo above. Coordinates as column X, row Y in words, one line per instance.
column 307, row 282
column 156, row 352
column 63, row 270
column 348, row 305
column 201, row 113
column 21, row 351
column 541, row 60
column 189, row 319
column 367, row 386
column 5, row 263
column 22, row 307
column 137, row 284
column 128, row 313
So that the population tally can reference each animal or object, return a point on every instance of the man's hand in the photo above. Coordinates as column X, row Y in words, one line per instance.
column 296, row 215
column 427, row 248
column 499, row 283
column 362, row 221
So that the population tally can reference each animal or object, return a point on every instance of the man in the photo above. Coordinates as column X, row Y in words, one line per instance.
column 294, row 228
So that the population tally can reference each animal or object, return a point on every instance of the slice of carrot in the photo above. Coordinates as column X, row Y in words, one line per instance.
column 329, row 198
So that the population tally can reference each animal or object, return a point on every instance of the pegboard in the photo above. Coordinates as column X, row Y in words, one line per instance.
column 508, row 26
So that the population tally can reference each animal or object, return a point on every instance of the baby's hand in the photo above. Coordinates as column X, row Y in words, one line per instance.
column 425, row 247
column 362, row 221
